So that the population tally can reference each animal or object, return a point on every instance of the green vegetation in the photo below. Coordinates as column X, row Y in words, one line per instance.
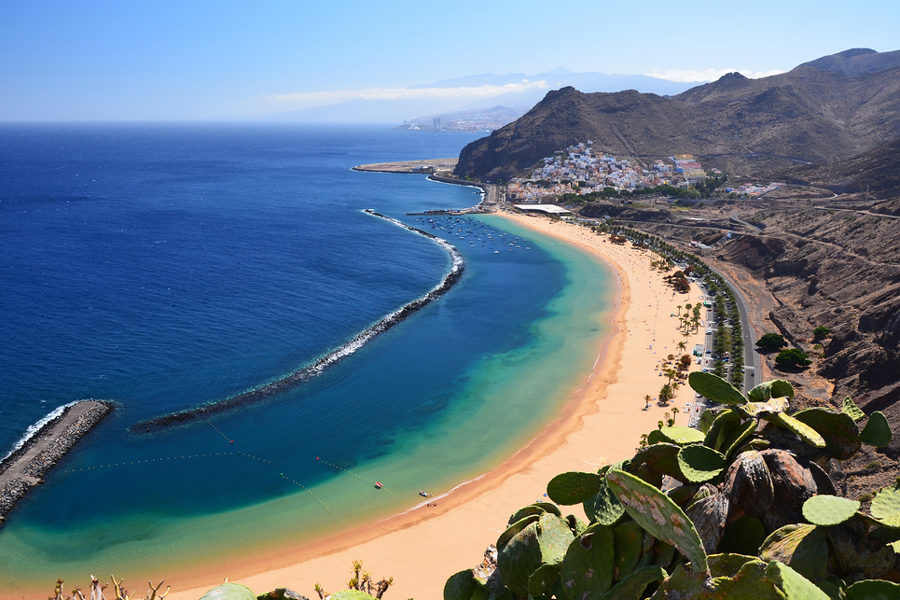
column 820, row 333
column 792, row 358
column 771, row 342
column 740, row 508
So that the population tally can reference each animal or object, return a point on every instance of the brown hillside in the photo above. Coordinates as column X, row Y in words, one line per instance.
column 745, row 126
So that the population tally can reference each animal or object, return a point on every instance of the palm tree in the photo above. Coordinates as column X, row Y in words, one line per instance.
column 679, row 310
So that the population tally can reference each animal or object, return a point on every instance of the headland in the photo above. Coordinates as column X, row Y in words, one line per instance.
column 601, row 423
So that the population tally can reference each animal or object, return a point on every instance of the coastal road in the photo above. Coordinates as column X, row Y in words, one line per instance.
column 752, row 361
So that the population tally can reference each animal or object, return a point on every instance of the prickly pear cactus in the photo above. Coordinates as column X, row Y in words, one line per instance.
column 574, row 487
column 678, row 434
column 849, row 407
column 873, row 589
column 829, row 510
column 229, row 591
column 699, row 463
column 838, row 429
column 803, row 431
column 634, row 586
column 886, row 505
column 627, row 548
column 604, row 507
column 715, row 388
column 877, row 431
column 656, row 513
column 587, row 568
column 804, row 547
column 776, row 388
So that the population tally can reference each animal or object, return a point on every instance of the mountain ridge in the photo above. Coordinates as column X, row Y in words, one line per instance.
column 745, row 126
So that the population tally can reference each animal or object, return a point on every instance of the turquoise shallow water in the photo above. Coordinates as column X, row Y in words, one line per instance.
column 435, row 401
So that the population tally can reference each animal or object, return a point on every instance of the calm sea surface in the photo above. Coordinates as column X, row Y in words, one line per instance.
column 164, row 266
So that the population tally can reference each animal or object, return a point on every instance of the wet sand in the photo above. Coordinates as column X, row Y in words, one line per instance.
column 602, row 423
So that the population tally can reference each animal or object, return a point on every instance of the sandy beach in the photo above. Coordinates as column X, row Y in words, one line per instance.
column 602, row 423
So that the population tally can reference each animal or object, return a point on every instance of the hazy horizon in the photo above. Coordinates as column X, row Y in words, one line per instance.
column 228, row 61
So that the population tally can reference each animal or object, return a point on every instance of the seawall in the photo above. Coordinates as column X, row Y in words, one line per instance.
column 295, row 378
column 25, row 467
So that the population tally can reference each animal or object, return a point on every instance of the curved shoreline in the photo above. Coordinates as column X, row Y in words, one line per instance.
column 295, row 378
column 600, row 424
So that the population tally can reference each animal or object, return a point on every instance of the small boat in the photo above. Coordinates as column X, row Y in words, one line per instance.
column 379, row 485
column 424, row 494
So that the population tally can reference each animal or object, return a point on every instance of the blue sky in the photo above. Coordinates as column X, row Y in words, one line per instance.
column 142, row 60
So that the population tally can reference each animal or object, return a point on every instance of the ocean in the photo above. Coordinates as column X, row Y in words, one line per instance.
column 163, row 266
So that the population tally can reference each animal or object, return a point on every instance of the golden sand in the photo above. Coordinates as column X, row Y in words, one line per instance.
column 602, row 423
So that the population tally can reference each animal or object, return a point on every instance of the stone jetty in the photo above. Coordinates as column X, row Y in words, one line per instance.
column 26, row 467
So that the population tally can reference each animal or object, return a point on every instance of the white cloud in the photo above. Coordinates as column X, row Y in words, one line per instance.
column 686, row 75
column 331, row 96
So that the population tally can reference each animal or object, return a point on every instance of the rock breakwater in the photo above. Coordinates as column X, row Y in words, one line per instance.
column 295, row 378
column 26, row 466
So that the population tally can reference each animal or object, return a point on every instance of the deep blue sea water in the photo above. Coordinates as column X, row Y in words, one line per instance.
column 163, row 266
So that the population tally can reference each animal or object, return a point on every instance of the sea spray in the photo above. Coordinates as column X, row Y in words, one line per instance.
column 291, row 380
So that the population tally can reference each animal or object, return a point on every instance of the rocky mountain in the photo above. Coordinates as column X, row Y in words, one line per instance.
column 877, row 171
column 827, row 110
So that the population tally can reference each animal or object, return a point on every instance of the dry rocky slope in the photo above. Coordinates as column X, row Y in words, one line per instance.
column 822, row 111
column 833, row 262
column 804, row 256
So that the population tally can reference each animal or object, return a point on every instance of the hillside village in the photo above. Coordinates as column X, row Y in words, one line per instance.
column 579, row 169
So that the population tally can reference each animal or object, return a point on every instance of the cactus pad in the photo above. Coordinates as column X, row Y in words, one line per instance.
column 604, row 507
column 803, row 547
column 699, row 463
column 803, row 431
column 715, row 388
column 515, row 528
column 873, row 589
column 849, row 407
column 772, row 405
column 829, row 510
column 523, row 512
column 776, row 388
column 554, row 537
column 627, row 548
column 877, row 431
column 708, row 515
column 544, row 582
column 838, row 429
column 678, row 434
column 654, row 461
column 574, row 487
column 229, row 591
column 792, row 584
column 519, row 558
column 886, row 505
column 656, row 513
column 587, row 569
column 633, row 586
column 463, row 586
column 728, row 564
column 748, row 483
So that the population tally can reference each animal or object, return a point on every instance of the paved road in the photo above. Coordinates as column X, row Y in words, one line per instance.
column 751, row 356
